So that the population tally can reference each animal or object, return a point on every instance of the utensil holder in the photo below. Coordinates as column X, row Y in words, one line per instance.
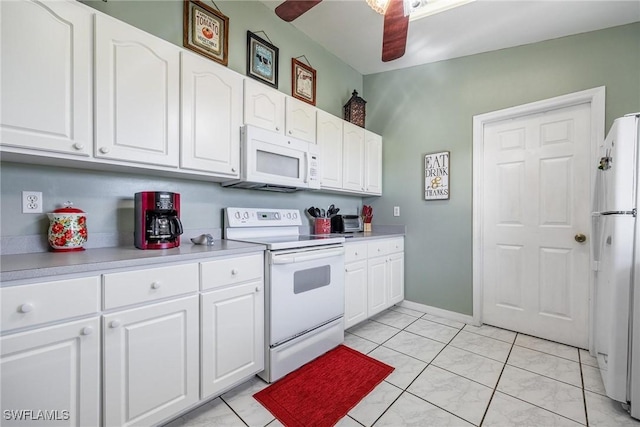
column 322, row 226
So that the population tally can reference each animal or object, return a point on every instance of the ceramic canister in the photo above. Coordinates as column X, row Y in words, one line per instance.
column 67, row 229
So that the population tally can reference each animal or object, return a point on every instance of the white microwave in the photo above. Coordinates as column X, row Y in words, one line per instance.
column 272, row 161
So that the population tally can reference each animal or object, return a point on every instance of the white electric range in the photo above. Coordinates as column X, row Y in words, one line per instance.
column 304, row 283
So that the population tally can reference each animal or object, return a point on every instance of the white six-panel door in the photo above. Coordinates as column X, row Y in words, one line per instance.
column 536, row 185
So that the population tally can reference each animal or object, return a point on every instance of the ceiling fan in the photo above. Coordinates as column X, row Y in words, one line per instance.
column 396, row 24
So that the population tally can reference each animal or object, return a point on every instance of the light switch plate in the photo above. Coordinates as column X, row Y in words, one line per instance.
column 396, row 211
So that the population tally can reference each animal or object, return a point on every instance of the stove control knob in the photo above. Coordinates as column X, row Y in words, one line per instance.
column 237, row 215
column 295, row 215
column 289, row 215
column 276, row 215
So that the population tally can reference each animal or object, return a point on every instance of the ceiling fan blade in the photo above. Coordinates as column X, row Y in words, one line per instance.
column 394, row 36
column 292, row 9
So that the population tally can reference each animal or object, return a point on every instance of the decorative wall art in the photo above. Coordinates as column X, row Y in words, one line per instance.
column 206, row 31
column 436, row 176
column 262, row 60
column 303, row 81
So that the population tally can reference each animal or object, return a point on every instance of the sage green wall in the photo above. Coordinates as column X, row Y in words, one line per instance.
column 430, row 108
column 335, row 79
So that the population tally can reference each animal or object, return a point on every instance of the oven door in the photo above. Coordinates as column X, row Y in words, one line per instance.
column 272, row 158
column 306, row 290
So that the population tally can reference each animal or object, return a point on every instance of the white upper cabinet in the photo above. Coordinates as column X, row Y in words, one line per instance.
column 353, row 157
column 137, row 86
column 46, row 76
column 329, row 138
column 211, row 117
column 372, row 163
column 263, row 106
column 300, row 120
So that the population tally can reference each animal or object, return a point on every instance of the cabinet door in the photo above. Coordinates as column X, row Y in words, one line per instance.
column 353, row 157
column 56, row 369
column 396, row 278
column 300, row 120
column 46, row 76
column 372, row 163
column 377, row 285
column 329, row 138
column 232, row 336
column 355, row 298
column 150, row 362
column 137, row 89
column 211, row 117
column 263, row 107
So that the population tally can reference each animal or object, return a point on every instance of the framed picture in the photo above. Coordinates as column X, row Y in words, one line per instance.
column 262, row 60
column 206, row 31
column 436, row 176
column 303, row 82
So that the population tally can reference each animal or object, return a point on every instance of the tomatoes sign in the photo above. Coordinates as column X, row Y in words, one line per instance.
column 206, row 30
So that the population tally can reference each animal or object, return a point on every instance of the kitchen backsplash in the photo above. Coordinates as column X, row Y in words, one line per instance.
column 107, row 198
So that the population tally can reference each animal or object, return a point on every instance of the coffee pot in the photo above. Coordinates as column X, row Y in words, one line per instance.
column 67, row 229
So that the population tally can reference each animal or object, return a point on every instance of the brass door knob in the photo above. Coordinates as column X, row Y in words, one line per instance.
column 580, row 238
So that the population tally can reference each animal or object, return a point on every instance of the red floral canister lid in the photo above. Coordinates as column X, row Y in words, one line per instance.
column 68, row 209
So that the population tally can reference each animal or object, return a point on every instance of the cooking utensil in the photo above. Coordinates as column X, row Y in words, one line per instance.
column 317, row 210
column 323, row 213
column 312, row 211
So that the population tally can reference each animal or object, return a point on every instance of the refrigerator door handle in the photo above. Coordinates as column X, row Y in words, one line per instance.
column 631, row 212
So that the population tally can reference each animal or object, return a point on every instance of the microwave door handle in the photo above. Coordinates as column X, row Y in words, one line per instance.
column 308, row 166
column 290, row 259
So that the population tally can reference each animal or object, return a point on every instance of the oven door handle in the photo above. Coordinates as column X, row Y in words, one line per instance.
column 293, row 258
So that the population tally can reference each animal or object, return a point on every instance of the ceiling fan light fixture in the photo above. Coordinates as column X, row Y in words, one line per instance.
column 417, row 9
column 380, row 6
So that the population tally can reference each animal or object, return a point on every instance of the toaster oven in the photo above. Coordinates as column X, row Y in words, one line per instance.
column 346, row 224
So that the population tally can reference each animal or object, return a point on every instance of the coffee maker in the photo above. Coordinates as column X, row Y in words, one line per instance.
column 157, row 220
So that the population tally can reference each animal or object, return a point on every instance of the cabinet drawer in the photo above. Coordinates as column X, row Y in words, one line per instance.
column 355, row 252
column 29, row 305
column 133, row 287
column 378, row 248
column 228, row 271
column 396, row 245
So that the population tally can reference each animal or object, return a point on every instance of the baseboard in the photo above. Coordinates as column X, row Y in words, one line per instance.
column 435, row 311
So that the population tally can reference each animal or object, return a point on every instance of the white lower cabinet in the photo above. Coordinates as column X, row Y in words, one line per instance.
column 374, row 278
column 150, row 362
column 232, row 319
column 54, row 372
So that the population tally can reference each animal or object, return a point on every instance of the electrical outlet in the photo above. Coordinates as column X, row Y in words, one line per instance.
column 31, row 202
column 396, row 211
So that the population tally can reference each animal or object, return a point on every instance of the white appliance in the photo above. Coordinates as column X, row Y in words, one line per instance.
column 616, row 250
column 272, row 161
column 304, row 283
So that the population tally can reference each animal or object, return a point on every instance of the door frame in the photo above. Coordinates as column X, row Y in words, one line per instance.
column 596, row 99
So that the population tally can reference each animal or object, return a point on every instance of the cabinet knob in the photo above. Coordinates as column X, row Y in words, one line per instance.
column 277, row 127
column 78, row 146
column 233, row 169
column 257, row 288
column 104, row 150
column 356, row 253
column 25, row 308
column 234, row 272
column 87, row 330
column 290, row 133
column 155, row 285
column 114, row 324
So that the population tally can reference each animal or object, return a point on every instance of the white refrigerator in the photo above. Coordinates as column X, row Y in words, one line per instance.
column 616, row 252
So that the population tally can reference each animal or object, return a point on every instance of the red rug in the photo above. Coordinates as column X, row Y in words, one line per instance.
column 324, row 390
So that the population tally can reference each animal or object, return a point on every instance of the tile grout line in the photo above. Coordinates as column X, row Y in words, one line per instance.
column 498, row 382
column 584, row 394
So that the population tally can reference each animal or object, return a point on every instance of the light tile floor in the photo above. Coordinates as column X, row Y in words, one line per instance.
column 451, row 374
